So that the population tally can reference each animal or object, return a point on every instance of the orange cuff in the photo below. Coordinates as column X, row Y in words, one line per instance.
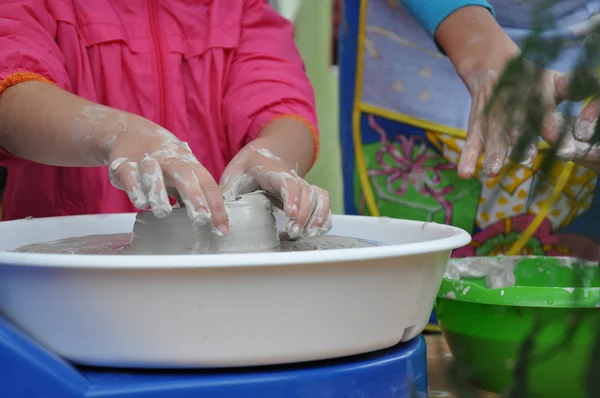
column 312, row 129
column 21, row 77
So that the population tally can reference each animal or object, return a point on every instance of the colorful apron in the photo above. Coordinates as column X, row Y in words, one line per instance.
column 404, row 113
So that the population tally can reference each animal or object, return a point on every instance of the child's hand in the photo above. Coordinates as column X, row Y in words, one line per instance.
column 145, row 160
column 306, row 205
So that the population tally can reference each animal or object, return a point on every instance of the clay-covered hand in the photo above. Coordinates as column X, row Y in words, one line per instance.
column 572, row 142
column 576, row 141
column 146, row 161
column 306, row 205
column 480, row 50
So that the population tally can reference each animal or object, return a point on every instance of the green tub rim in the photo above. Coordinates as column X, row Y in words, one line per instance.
column 472, row 290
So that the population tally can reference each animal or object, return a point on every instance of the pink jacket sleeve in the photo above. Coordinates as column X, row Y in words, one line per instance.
column 267, row 79
column 27, row 43
column 28, row 50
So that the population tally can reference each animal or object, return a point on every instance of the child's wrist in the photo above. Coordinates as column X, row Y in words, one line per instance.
column 109, row 126
column 294, row 139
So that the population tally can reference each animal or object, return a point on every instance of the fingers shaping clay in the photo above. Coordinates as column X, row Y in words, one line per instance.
column 252, row 228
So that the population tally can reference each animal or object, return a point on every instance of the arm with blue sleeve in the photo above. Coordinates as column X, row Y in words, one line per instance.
column 431, row 13
column 479, row 49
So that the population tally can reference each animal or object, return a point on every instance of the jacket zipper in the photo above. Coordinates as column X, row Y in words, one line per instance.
column 157, row 46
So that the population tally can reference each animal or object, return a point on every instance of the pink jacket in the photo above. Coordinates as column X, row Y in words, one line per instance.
column 213, row 72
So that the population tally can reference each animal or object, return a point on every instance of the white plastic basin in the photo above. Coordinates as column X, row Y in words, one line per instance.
column 223, row 310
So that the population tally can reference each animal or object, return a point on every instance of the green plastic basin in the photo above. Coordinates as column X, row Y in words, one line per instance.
column 486, row 327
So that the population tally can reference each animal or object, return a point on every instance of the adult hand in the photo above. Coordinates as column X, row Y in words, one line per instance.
column 575, row 142
column 306, row 205
column 480, row 51
column 145, row 161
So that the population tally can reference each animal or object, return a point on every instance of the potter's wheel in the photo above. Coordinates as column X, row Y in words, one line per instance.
column 223, row 310
column 252, row 229
column 30, row 371
column 120, row 244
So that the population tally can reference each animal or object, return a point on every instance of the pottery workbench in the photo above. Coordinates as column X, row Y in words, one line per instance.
column 438, row 363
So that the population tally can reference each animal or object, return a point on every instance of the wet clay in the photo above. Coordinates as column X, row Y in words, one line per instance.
column 498, row 272
column 119, row 244
column 252, row 228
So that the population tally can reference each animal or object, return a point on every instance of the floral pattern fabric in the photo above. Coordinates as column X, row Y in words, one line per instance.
column 414, row 176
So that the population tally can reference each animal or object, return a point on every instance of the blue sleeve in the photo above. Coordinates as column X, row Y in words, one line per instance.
column 430, row 13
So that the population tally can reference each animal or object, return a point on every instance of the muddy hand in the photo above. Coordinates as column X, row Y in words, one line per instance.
column 480, row 50
column 486, row 133
column 306, row 205
column 574, row 142
column 146, row 160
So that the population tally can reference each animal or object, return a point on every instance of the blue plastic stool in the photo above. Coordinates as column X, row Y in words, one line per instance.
column 28, row 370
